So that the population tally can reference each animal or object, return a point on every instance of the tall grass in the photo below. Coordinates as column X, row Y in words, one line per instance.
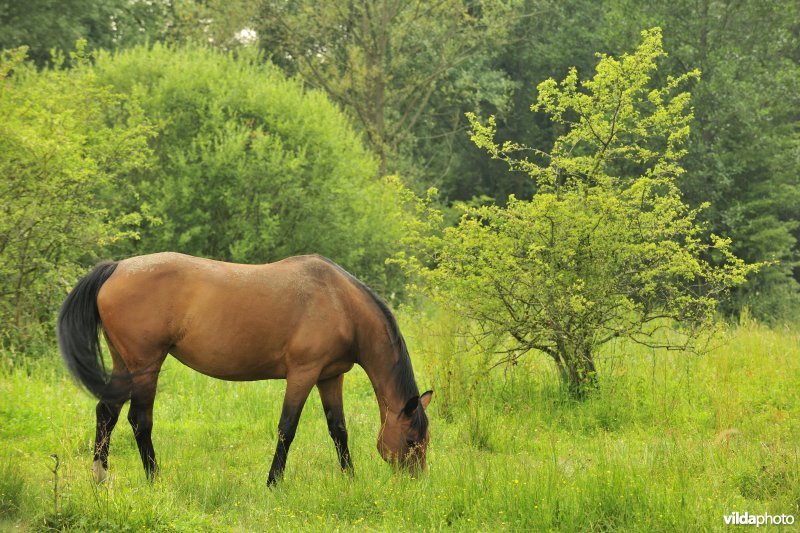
column 668, row 442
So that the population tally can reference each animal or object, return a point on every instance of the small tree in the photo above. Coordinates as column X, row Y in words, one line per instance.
column 606, row 248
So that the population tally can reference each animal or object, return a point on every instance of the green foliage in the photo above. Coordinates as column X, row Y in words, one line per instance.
column 606, row 248
column 250, row 167
column 45, row 25
column 223, row 24
column 405, row 71
column 64, row 139
column 743, row 149
column 543, row 40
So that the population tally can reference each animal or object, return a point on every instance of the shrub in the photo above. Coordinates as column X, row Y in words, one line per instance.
column 64, row 138
column 250, row 167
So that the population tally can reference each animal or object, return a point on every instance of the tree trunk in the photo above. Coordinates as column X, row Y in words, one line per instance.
column 577, row 370
column 376, row 24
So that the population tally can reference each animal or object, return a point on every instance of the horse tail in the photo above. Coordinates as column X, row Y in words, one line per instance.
column 78, row 325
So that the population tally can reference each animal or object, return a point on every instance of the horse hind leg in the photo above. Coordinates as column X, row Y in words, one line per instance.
column 138, row 366
column 140, row 415
column 107, row 413
column 330, row 392
column 107, row 416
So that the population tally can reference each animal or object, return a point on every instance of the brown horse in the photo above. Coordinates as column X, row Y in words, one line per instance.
column 303, row 319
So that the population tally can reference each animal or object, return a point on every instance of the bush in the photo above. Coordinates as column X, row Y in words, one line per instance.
column 64, row 138
column 249, row 167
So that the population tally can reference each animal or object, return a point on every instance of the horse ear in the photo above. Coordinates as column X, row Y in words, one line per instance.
column 425, row 399
column 411, row 406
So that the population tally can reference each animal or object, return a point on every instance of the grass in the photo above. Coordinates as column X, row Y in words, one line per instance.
column 669, row 442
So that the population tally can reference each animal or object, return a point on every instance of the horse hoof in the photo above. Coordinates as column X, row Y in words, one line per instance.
column 100, row 473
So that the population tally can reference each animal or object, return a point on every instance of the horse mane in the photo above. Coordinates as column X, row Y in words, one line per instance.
column 403, row 371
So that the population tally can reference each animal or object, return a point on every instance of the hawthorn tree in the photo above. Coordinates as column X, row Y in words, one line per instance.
column 606, row 248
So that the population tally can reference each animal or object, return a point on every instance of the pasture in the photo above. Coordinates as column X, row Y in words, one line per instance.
column 669, row 442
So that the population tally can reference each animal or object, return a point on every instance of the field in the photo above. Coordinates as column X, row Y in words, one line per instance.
column 670, row 442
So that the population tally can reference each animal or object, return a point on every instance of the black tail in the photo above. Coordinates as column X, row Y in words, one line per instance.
column 78, row 323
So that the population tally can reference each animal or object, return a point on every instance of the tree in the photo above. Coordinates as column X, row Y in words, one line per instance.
column 742, row 148
column 58, row 151
column 404, row 70
column 606, row 248
column 44, row 25
column 223, row 24
column 248, row 166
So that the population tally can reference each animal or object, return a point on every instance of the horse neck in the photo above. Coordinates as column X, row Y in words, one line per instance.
column 389, row 370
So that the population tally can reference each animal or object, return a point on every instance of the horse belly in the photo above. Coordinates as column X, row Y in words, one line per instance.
column 231, row 366
column 233, row 346
column 336, row 368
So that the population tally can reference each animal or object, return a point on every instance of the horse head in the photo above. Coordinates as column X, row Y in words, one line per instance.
column 403, row 439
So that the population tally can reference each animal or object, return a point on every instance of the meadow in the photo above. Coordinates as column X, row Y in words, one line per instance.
column 669, row 442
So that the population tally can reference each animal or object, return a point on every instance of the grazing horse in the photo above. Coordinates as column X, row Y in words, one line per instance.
column 303, row 319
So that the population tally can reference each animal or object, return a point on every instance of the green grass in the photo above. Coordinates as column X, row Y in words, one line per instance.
column 670, row 442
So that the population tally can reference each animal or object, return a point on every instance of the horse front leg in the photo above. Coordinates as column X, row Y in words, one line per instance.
column 297, row 391
column 330, row 392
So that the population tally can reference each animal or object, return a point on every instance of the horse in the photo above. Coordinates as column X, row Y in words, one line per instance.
column 303, row 319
